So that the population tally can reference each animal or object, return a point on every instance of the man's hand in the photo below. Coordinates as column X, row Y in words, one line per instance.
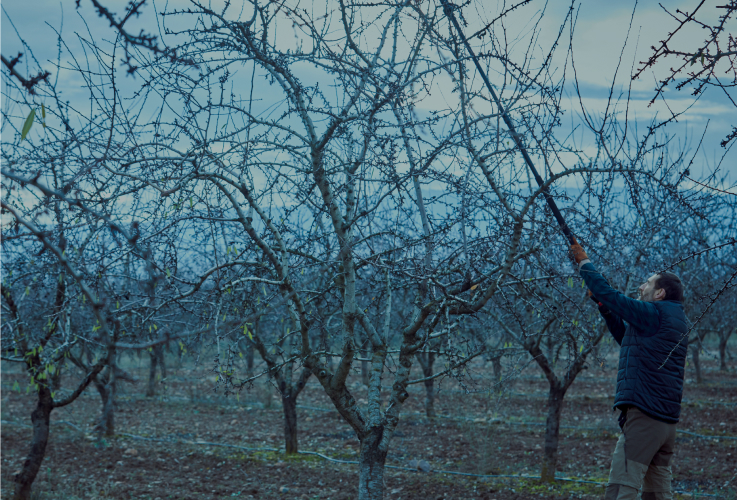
column 576, row 252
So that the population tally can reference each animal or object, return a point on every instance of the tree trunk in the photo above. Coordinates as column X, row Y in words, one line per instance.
column 365, row 370
column 32, row 464
column 151, row 390
column 159, row 349
column 106, row 425
column 427, row 370
column 723, row 353
column 108, row 412
column 723, row 339
column 550, row 344
column 325, row 340
column 55, row 381
column 249, row 360
column 696, row 361
column 289, row 403
column 496, row 365
column 426, row 361
column 552, row 432
column 430, row 398
column 371, row 466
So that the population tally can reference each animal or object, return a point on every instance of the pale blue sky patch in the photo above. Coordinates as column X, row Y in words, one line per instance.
column 600, row 32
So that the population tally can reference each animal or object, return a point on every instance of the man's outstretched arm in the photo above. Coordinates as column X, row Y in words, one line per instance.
column 614, row 323
column 636, row 312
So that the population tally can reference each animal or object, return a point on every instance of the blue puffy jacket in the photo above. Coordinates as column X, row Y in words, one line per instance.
column 654, row 344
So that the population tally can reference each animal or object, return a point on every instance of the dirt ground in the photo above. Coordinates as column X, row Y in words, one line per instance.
column 161, row 450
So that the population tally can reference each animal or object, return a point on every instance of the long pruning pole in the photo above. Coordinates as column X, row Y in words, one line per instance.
column 448, row 9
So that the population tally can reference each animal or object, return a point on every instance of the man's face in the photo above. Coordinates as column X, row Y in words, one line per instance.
column 647, row 290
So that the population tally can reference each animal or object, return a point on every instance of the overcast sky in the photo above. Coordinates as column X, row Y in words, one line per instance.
column 601, row 30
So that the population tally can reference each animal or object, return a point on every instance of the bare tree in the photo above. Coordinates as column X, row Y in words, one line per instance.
column 64, row 233
column 699, row 66
column 331, row 194
column 568, row 350
column 45, row 316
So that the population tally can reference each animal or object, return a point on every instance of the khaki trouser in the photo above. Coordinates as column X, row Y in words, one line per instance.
column 642, row 459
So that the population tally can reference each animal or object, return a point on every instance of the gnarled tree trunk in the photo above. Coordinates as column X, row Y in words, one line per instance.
column 107, row 419
column 290, row 390
column 695, row 343
column 552, row 432
column 289, row 404
column 429, row 386
column 365, row 364
column 426, row 361
column 151, row 388
column 430, row 398
column 157, row 360
column 722, row 354
column 371, row 466
column 106, row 425
column 32, row 464
column 723, row 339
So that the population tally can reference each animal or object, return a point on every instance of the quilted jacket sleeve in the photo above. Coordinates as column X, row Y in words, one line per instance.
column 644, row 315
column 614, row 323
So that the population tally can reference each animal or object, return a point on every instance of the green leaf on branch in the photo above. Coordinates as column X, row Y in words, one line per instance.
column 27, row 125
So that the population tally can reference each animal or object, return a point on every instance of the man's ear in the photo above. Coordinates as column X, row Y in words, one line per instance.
column 659, row 294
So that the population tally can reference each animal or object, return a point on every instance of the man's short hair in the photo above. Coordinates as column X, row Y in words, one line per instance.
column 672, row 286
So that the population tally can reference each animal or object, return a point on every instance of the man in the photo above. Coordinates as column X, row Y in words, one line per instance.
column 652, row 333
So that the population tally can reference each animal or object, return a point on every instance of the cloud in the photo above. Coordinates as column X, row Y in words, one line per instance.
column 601, row 30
